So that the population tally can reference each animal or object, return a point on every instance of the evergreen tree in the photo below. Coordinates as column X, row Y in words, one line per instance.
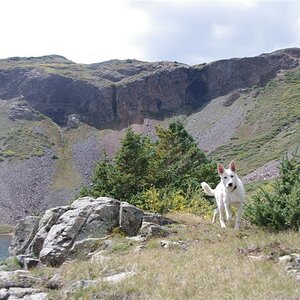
column 180, row 163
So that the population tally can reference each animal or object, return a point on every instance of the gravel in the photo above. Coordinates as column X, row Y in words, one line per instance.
column 266, row 172
column 25, row 188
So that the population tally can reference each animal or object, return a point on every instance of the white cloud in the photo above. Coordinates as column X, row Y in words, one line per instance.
column 84, row 31
column 222, row 32
column 182, row 30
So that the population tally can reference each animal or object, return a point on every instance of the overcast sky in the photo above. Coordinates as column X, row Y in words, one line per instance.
column 188, row 31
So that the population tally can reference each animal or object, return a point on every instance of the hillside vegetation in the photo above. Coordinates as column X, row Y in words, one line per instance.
column 270, row 128
column 243, row 109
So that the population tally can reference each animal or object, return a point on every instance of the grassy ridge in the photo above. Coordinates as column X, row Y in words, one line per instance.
column 271, row 127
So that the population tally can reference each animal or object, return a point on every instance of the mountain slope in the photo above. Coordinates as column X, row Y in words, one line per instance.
column 56, row 116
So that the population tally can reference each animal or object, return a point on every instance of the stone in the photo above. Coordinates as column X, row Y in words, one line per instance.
column 20, row 292
column 131, row 219
column 30, row 263
column 98, row 257
column 55, row 283
column 103, row 217
column 137, row 238
column 231, row 99
column 24, row 233
column 27, row 261
column 49, row 218
column 285, row 259
column 81, row 284
column 153, row 230
column 18, row 278
column 172, row 245
column 37, row 296
column 157, row 219
column 117, row 278
column 73, row 121
column 3, row 294
column 87, row 217
column 261, row 257
column 139, row 248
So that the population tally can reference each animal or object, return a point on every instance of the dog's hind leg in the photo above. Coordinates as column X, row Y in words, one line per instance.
column 238, row 216
column 214, row 215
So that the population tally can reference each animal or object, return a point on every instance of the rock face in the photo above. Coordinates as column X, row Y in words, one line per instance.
column 131, row 219
column 21, row 111
column 130, row 90
column 23, row 235
column 65, row 231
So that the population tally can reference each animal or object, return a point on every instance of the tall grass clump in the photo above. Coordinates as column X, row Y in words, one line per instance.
column 279, row 208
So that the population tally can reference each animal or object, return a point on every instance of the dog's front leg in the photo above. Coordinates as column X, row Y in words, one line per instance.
column 238, row 216
column 221, row 216
column 227, row 211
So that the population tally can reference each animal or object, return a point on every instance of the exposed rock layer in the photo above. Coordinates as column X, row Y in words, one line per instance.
column 128, row 91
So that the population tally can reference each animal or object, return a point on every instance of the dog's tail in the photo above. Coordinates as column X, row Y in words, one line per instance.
column 207, row 189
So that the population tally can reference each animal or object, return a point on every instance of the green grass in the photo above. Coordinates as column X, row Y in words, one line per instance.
column 24, row 143
column 4, row 228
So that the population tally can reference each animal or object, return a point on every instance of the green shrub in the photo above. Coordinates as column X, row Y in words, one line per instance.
column 278, row 208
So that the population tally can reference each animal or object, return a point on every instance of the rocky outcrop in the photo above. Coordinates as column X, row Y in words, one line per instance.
column 21, row 111
column 68, row 231
column 130, row 90
column 20, row 285
column 23, row 235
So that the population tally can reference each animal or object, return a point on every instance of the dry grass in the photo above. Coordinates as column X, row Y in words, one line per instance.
column 211, row 267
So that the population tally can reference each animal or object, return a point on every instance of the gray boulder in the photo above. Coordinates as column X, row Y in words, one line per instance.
column 18, row 278
column 131, row 219
column 153, row 230
column 48, row 220
column 73, row 121
column 24, row 233
column 157, row 219
column 87, row 217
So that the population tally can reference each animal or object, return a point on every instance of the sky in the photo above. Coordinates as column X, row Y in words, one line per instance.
column 187, row 31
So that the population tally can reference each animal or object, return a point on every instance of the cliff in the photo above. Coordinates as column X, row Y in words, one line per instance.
column 126, row 92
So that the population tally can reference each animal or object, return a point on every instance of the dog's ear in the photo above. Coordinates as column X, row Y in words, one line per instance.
column 221, row 169
column 232, row 166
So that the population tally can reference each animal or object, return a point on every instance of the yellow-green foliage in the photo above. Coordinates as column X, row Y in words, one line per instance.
column 162, row 201
column 23, row 143
column 4, row 228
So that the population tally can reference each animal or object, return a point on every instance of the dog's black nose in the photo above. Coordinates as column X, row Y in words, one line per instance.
column 230, row 184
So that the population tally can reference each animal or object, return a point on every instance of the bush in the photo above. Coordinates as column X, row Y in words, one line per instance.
column 278, row 208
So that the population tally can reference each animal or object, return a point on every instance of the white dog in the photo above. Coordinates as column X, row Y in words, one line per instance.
column 230, row 191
